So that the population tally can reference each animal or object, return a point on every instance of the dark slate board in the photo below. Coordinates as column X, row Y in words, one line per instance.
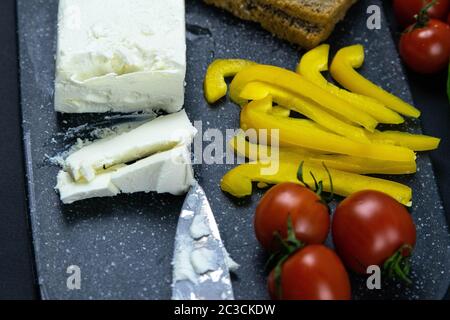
column 124, row 245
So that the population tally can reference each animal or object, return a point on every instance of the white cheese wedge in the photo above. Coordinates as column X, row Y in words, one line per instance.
column 70, row 191
column 120, row 55
column 157, row 135
column 165, row 172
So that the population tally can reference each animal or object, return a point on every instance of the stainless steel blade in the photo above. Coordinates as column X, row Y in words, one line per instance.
column 198, row 236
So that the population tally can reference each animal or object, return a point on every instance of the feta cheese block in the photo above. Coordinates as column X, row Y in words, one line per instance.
column 165, row 172
column 120, row 56
column 160, row 134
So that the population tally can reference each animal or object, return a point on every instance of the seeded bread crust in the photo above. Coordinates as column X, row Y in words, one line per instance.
column 322, row 12
column 294, row 30
column 280, row 23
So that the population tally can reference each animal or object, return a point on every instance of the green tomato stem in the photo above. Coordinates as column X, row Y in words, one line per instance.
column 398, row 265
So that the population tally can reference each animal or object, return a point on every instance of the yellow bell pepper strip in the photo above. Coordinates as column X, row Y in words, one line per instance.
column 259, row 90
column 306, row 134
column 343, row 71
column 281, row 111
column 312, row 63
column 416, row 142
column 298, row 85
column 365, row 166
column 215, row 86
column 238, row 181
column 255, row 152
column 315, row 61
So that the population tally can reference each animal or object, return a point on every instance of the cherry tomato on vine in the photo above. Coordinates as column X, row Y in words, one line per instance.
column 312, row 273
column 426, row 49
column 310, row 217
column 371, row 228
column 406, row 10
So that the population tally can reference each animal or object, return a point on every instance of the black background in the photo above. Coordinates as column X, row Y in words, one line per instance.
column 17, row 280
column 16, row 267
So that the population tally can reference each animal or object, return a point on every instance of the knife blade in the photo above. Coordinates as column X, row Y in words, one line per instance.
column 200, row 261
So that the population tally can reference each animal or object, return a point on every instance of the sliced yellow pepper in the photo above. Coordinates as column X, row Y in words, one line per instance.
column 259, row 90
column 238, row 181
column 215, row 86
column 343, row 71
column 416, row 142
column 254, row 152
column 281, row 111
column 298, row 85
column 357, row 165
column 315, row 61
column 306, row 134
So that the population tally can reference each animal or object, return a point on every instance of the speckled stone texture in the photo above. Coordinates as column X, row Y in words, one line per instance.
column 124, row 245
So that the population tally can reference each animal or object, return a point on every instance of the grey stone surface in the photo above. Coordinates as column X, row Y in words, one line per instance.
column 124, row 245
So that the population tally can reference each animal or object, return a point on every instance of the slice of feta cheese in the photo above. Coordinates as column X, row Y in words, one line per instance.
column 165, row 172
column 69, row 191
column 157, row 135
column 147, row 175
column 120, row 56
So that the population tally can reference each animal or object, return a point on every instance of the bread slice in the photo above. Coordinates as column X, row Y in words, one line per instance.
column 321, row 12
column 281, row 23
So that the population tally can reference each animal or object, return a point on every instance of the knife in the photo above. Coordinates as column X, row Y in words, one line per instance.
column 200, row 261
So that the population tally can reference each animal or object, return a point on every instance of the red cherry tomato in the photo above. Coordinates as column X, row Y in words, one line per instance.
column 369, row 227
column 312, row 273
column 426, row 50
column 310, row 217
column 448, row 19
column 405, row 10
